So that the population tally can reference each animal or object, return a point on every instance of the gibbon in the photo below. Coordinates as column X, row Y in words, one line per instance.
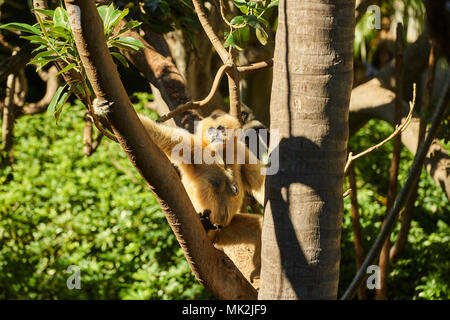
column 217, row 170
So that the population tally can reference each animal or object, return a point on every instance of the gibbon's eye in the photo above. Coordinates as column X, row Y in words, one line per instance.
column 215, row 183
column 234, row 189
column 244, row 116
column 216, row 134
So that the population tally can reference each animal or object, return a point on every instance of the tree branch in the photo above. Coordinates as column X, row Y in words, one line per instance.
column 212, row 267
column 381, row 293
column 16, row 62
column 414, row 172
column 8, row 120
column 356, row 227
column 397, row 131
column 402, row 237
column 227, row 58
column 52, row 83
column 198, row 104
column 162, row 73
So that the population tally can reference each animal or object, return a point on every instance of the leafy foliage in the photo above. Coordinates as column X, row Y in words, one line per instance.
column 163, row 16
column 56, row 44
column 256, row 16
column 422, row 270
column 59, row 208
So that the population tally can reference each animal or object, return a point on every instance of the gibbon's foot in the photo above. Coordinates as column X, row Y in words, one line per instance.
column 204, row 218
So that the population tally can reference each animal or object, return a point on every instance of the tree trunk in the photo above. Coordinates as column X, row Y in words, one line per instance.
column 313, row 71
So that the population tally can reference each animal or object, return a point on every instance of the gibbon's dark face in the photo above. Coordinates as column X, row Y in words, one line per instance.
column 214, row 129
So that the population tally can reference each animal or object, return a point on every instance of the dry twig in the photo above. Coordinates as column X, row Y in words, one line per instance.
column 398, row 129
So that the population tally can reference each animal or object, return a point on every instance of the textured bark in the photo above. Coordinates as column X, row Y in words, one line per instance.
column 313, row 71
column 212, row 267
column 8, row 120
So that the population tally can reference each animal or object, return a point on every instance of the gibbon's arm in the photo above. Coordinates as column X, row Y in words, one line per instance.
column 167, row 138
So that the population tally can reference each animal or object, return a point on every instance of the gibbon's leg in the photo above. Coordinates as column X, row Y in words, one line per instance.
column 243, row 233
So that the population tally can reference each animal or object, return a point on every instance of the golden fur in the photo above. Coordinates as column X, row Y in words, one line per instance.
column 219, row 186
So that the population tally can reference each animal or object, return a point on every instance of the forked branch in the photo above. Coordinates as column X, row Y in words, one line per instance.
column 398, row 129
column 198, row 104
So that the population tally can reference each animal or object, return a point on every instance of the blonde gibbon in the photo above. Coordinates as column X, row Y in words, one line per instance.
column 217, row 170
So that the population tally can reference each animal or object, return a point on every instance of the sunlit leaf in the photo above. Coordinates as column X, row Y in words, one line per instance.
column 20, row 27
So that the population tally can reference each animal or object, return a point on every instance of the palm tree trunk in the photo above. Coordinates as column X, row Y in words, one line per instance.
column 313, row 72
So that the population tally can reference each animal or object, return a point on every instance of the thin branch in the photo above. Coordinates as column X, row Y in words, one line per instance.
column 347, row 193
column 213, row 38
column 398, row 130
column 243, row 70
column 356, row 227
column 402, row 238
column 8, row 120
column 198, row 104
column 414, row 172
column 87, row 134
column 255, row 67
column 381, row 293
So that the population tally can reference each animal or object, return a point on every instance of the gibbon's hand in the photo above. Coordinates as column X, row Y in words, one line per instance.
column 204, row 218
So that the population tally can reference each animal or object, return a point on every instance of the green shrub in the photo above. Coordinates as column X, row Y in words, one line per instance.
column 423, row 269
column 61, row 209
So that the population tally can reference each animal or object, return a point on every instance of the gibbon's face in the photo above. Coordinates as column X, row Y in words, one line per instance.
column 218, row 188
column 213, row 129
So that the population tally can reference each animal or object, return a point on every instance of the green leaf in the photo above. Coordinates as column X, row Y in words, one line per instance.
column 59, row 32
column 252, row 21
column 273, row 4
column 44, row 54
column 55, row 99
column 48, row 13
column 106, row 15
column 127, row 43
column 102, row 11
column 237, row 20
column 241, row 37
column 229, row 40
column 242, row 5
column 129, row 25
column 119, row 17
column 262, row 36
column 35, row 39
column 67, row 68
column 60, row 18
column 121, row 58
column 21, row 27
column 62, row 101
